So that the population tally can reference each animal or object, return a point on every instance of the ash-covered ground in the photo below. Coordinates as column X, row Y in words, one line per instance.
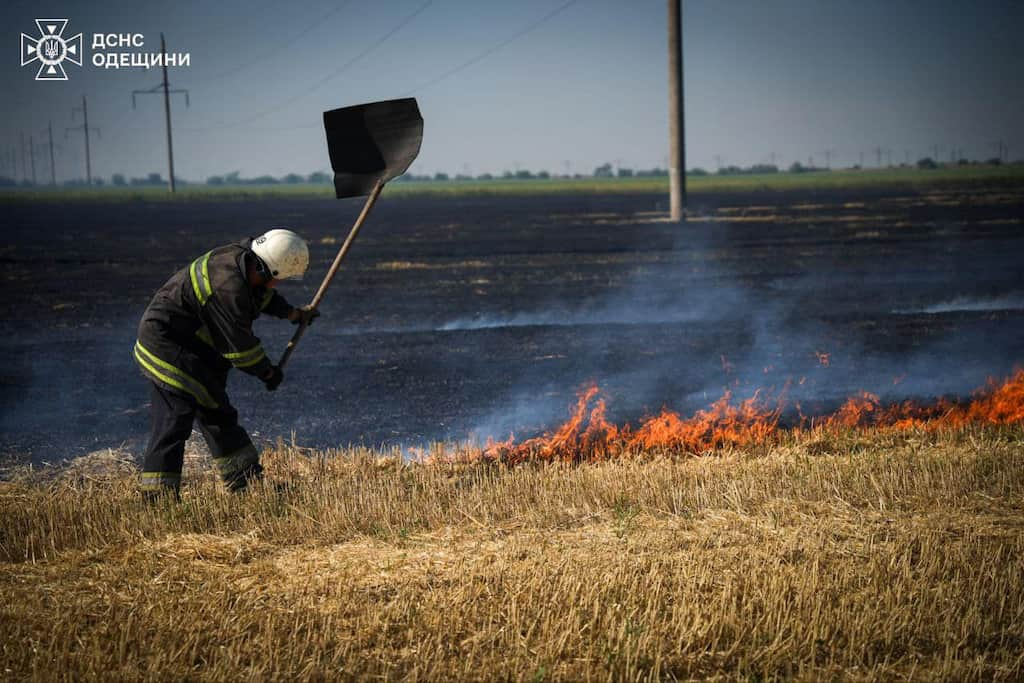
column 485, row 315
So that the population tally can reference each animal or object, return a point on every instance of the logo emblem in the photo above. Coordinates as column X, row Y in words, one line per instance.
column 51, row 49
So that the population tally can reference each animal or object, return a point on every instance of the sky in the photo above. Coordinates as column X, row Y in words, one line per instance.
column 556, row 85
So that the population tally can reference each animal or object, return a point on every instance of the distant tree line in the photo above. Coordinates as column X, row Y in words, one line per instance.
column 235, row 178
column 119, row 180
column 605, row 170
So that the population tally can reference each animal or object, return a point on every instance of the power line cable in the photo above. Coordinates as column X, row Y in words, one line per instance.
column 490, row 51
column 288, row 43
column 252, row 12
column 117, row 126
column 447, row 74
column 318, row 84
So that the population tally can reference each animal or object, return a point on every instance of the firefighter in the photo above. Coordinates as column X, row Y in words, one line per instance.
column 197, row 327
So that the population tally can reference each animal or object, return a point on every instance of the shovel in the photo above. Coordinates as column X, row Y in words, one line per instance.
column 369, row 144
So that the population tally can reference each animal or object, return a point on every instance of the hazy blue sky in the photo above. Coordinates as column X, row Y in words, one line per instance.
column 588, row 85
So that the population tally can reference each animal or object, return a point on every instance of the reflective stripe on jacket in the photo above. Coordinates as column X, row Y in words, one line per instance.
column 199, row 325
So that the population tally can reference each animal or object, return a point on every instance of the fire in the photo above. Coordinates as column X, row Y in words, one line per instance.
column 588, row 435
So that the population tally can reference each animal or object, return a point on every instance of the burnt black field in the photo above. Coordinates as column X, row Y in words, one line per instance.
column 485, row 315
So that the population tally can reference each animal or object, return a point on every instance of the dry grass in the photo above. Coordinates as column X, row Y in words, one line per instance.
column 862, row 556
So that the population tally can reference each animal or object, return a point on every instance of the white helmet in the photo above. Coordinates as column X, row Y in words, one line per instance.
column 284, row 253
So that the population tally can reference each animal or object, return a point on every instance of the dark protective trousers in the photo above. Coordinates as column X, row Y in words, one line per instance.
column 173, row 414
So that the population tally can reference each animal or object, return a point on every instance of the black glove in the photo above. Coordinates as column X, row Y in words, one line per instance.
column 306, row 315
column 273, row 379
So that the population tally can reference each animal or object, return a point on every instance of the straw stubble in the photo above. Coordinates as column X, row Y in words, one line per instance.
column 859, row 555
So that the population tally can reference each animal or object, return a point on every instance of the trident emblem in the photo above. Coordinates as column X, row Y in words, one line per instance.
column 51, row 49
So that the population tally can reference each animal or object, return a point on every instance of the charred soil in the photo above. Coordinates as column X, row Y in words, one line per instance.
column 486, row 315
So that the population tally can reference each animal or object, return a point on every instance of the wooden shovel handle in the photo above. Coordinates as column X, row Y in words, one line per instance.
column 315, row 303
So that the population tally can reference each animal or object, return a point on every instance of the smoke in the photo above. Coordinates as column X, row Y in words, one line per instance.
column 811, row 339
column 638, row 303
column 1007, row 302
column 74, row 387
column 519, row 309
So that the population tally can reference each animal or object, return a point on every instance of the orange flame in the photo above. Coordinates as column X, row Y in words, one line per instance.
column 588, row 435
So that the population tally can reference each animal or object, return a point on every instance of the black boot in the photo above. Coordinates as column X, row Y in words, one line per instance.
column 239, row 482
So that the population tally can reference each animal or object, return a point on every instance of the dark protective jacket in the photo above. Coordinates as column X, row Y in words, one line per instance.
column 199, row 325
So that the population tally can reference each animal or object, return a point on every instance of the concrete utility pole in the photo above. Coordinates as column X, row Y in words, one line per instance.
column 32, row 156
column 167, row 114
column 53, row 166
column 24, row 163
column 1000, row 147
column 676, row 112
column 166, row 90
column 84, row 128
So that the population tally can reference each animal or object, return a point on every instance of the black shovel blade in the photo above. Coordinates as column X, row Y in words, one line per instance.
column 372, row 142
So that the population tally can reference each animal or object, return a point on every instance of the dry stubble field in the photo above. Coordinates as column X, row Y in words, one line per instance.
column 854, row 554
column 857, row 553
